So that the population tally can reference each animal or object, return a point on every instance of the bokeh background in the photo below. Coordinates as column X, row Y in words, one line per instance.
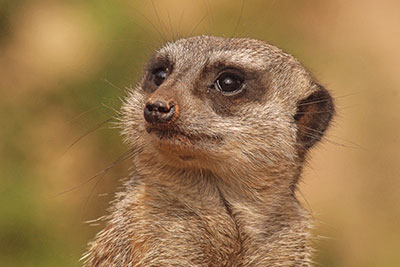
column 64, row 65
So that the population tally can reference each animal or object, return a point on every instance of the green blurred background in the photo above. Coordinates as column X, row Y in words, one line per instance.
column 63, row 69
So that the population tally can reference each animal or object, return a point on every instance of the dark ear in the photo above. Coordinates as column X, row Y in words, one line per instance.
column 313, row 116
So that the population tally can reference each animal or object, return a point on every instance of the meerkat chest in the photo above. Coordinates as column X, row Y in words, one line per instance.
column 186, row 229
column 211, row 227
column 153, row 226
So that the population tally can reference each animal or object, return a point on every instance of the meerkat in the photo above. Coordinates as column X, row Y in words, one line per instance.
column 220, row 130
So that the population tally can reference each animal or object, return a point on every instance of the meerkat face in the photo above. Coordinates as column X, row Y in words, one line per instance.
column 225, row 104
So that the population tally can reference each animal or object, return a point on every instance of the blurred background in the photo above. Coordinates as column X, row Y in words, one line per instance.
column 64, row 65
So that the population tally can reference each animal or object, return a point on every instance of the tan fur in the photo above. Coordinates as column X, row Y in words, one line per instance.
column 221, row 193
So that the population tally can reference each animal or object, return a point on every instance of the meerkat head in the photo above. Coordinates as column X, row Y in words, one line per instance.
column 225, row 105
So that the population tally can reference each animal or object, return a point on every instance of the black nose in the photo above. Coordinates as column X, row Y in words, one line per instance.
column 159, row 111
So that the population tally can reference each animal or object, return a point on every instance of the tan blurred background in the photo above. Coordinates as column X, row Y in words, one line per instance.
column 65, row 64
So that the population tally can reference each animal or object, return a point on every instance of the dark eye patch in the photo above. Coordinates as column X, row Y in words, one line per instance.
column 158, row 70
column 232, row 89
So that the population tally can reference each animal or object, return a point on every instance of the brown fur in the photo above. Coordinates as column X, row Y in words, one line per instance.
column 216, row 186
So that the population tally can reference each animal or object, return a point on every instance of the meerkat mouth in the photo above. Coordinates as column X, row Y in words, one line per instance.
column 166, row 133
column 182, row 145
column 177, row 135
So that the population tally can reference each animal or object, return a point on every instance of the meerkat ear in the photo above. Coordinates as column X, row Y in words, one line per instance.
column 313, row 117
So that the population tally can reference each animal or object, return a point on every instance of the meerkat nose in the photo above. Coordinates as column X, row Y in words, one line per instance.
column 159, row 111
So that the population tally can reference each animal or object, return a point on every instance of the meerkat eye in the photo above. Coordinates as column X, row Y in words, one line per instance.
column 159, row 75
column 229, row 83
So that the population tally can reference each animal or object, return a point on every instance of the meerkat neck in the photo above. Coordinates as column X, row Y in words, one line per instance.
column 261, row 186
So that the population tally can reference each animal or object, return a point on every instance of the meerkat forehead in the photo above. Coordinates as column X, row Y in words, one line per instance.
column 210, row 50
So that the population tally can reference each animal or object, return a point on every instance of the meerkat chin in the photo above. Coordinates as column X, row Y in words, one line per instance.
column 221, row 129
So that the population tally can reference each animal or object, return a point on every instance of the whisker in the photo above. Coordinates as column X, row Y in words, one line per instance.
column 113, row 85
column 111, row 109
column 171, row 28
column 90, row 195
column 239, row 19
column 314, row 112
column 83, row 114
column 327, row 139
column 126, row 155
column 197, row 25
column 306, row 201
column 180, row 24
column 314, row 102
column 337, row 137
column 326, row 99
column 209, row 11
column 161, row 35
column 158, row 19
column 87, row 133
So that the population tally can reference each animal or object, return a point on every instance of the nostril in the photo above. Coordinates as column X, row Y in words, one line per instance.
column 161, row 106
column 170, row 107
column 159, row 111
column 149, row 106
column 158, row 106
